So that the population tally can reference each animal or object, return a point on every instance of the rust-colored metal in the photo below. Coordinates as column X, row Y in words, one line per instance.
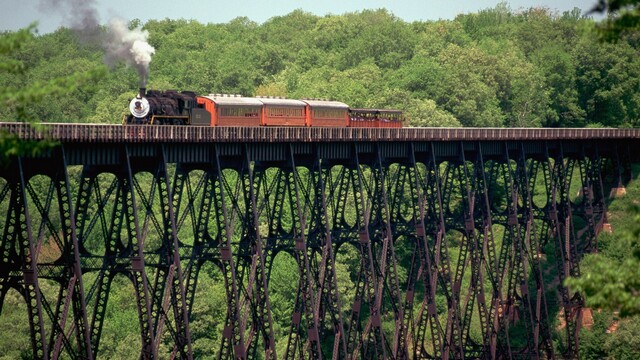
column 197, row 134
column 453, row 207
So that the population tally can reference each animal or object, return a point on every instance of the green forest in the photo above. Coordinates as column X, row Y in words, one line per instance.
column 494, row 68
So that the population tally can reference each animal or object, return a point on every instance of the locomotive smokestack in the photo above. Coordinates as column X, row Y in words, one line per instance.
column 143, row 92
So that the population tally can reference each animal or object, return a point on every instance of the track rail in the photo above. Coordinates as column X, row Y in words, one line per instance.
column 199, row 134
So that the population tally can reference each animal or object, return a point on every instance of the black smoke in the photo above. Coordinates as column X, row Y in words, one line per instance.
column 119, row 42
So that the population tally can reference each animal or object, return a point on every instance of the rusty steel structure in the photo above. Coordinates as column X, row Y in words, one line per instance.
column 485, row 223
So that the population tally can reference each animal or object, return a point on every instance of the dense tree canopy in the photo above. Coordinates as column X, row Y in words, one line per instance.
column 497, row 67
column 28, row 89
column 624, row 18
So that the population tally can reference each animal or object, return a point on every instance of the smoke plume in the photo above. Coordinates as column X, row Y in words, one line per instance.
column 78, row 14
column 119, row 42
column 131, row 46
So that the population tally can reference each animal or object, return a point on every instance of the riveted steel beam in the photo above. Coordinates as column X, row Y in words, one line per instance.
column 449, row 239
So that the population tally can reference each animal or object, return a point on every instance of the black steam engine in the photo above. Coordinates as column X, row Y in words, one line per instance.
column 161, row 107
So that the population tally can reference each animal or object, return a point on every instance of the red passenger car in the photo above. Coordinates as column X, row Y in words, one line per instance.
column 232, row 110
column 327, row 113
column 390, row 118
column 375, row 118
column 283, row 112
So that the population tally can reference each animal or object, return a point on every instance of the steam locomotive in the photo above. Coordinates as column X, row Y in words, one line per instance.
column 170, row 107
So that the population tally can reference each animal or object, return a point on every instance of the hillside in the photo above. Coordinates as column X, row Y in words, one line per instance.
column 493, row 68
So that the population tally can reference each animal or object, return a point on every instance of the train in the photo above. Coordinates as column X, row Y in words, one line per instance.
column 170, row 107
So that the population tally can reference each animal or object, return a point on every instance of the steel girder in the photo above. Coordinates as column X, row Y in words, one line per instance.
column 452, row 245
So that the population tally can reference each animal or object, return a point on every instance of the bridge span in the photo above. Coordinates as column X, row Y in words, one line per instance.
column 462, row 238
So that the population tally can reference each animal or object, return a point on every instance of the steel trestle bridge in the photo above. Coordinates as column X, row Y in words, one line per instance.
column 463, row 236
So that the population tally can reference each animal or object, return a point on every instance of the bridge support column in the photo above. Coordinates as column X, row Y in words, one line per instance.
column 328, row 296
column 305, row 299
column 368, row 342
column 256, row 290
column 40, row 216
column 562, row 225
column 137, row 272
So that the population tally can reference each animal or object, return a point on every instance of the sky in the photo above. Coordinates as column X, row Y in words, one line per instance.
column 16, row 14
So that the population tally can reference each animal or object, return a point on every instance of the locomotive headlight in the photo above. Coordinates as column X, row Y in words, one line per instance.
column 139, row 107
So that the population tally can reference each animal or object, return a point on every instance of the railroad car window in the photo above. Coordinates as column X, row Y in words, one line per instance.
column 363, row 116
column 328, row 113
column 285, row 111
column 391, row 117
column 238, row 111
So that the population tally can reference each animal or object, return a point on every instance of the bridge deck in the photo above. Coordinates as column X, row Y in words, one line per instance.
column 141, row 133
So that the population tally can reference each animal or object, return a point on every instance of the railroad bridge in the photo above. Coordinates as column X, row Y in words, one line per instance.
column 459, row 239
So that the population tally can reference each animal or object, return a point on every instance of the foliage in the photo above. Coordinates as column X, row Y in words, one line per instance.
column 497, row 67
column 592, row 341
column 611, row 278
column 610, row 283
column 624, row 18
column 17, row 97
column 21, row 102
column 626, row 342
column 611, row 337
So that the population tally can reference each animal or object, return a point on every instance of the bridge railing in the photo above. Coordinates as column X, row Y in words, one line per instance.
column 143, row 133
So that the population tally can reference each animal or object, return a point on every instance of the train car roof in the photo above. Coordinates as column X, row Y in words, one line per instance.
column 390, row 111
column 326, row 104
column 377, row 110
column 227, row 100
column 280, row 102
